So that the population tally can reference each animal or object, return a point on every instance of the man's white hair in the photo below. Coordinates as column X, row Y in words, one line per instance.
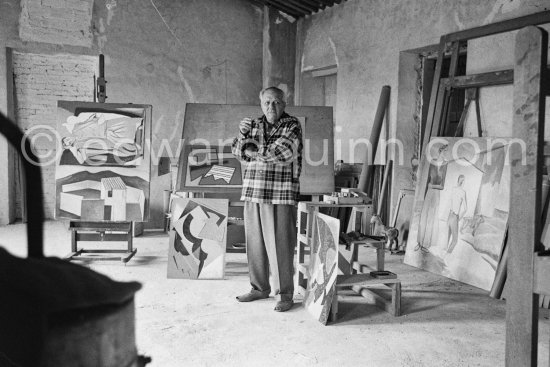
column 275, row 90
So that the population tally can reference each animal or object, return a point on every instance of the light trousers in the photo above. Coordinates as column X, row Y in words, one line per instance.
column 452, row 222
column 270, row 231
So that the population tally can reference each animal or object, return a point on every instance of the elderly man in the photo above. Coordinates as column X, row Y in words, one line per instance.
column 271, row 148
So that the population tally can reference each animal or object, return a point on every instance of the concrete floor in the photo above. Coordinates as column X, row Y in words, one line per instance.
column 199, row 323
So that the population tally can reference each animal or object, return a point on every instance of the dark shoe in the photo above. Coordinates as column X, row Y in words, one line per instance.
column 253, row 295
column 283, row 306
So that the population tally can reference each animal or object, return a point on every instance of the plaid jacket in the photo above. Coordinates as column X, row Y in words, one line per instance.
column 273, row 176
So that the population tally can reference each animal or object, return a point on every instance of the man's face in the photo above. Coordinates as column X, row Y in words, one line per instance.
column 272, row 106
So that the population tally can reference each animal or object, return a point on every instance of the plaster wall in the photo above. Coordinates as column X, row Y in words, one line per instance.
column 279, row 51
column 364, row 39
column 162, row 53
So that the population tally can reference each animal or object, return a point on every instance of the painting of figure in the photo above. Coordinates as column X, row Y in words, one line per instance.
column 323, row 267
column 198, row 232
column 458, row 225
column 103, row 165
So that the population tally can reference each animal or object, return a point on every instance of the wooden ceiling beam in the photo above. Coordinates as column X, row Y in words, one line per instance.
column 284, row 8
column 303, row 5
column 284, row 4
column 314, row 3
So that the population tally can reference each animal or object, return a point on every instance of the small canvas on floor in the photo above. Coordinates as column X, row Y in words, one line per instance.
column 323, row 267
column 461, row 209
column 197, row 238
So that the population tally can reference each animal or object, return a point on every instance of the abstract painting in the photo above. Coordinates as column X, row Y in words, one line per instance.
column 323, row 267
column 460, row 209
column 198, row 232
column 204, row 167
column 103, row 165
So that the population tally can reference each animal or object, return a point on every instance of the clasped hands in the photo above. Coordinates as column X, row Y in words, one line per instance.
column 244, row 127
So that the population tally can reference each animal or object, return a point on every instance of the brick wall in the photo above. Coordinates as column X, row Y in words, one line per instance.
column 39, row 82
column 66, row 22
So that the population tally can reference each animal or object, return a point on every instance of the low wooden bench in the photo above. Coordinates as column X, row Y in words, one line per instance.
column 359, row 283
column 101, row 231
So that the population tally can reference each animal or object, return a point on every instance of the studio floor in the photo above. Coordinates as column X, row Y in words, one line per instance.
column 199, row 323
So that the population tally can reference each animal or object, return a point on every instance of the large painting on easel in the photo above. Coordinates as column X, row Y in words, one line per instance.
column 323, row 267
column 214, row 126
column 461, row 209
column 103, row 165
column 198, row 232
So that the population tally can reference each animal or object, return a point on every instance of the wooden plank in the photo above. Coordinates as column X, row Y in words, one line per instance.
column 435, row 95
column 524, row 219
column 348, row 280
column 500, row 27
column 443, row 117
column 99, row 237
column 441, row 100
column 94, row 226
column 480, row 80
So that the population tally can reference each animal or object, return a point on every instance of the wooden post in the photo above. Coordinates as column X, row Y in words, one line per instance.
column 524, row 220
column 366, row 178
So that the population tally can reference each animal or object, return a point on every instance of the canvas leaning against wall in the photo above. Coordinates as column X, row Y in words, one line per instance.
column 323, row 267
column 103, row 168
column 461, row 209
column 198, row 236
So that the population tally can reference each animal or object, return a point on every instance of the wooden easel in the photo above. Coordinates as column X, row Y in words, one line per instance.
column 442, row 87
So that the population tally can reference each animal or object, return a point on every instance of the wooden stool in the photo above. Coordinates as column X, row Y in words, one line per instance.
column 369, row 242
column 359, row 284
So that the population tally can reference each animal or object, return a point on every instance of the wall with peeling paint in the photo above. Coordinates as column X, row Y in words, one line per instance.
column 365, row 37
column 159, row 52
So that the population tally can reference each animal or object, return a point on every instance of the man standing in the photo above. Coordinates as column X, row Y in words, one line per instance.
column 458, row 209
column 271, row 148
